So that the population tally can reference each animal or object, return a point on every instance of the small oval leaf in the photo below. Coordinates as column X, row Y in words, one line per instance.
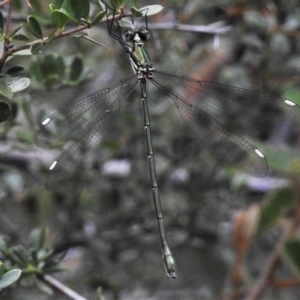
column 19, row 84
column 15, row 31
column 34, row 27
column 135, row 12
column 23, row 52
column 38, row 237
column 52, row 7
column 36, row 48
column 20, row 37
column 151, row 9
column 5, row 110
column 19, row 254
column 272, row 209
column 15, row 71
column 98, row 17
column 59, row 19
column 80, row 9
column 76, row 68
column 108, row 4
column 9, row 278
column 5, row 90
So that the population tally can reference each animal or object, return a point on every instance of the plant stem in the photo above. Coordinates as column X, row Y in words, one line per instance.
column 61, row 287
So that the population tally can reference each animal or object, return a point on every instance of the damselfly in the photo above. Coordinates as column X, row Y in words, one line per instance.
column 89, row 120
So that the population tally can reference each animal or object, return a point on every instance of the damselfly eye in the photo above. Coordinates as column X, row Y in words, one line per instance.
column 128, row 35
column 144, row 34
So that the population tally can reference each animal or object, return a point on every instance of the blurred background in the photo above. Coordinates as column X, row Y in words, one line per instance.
column 104, row 230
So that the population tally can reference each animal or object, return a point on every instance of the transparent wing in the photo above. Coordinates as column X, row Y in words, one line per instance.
column 70, row 123
column 223, row 98
column 85, row 124
column 228, row 146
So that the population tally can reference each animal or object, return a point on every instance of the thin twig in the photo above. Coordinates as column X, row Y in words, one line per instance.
column 4, row 3
column 6, row 33
column 95, row 42
column 8, row 19
column 257, row 291
column 59, row 35
column 61, row 287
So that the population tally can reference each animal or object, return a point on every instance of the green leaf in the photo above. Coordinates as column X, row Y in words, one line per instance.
column 2, row 268
column 98, row 17
column 54, row 269
column 291, row 252
column 37, row 238
column 15, row 31
column 99, row 4
column 4, row 243
column 23, row 52
column 5, row 90
column 135, row 12
column 76, row 68
column 76, row 10
column 59, row 18
column 5, row 110
column 108, row 4
column 58, row 3
column 51, row 36
column 34, row 27
column 151, row 9
column 33, row 256
column 19, row 84
column 20, row 37
column 116, row 3
column 52, row 7
column 80, row 9
column 273, row 208
column 36, row 48
column 44, row 253
column 15, row 71
column 9, row 278
column 19, row 255
column 69, row 15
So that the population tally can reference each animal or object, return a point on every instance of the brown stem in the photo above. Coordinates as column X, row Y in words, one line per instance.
column 8, row 21
column 6, row 32
column 4, row 2
column 61, row 287
column 266, row 276
column 9, row 52
column 286, row 283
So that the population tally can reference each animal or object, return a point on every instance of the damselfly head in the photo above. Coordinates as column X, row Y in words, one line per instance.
column 128, row 35
column 132, row 35
column 144, row 33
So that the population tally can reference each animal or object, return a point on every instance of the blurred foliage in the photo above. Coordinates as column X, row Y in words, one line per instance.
column 103, row 232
